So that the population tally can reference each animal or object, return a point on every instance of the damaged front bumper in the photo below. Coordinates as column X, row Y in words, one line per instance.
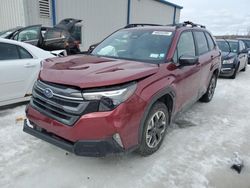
column 93, row 148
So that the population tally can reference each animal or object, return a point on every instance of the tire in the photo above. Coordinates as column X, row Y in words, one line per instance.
column 235, row 72
column 154, row 129
column 207, row 97
column 245, row 68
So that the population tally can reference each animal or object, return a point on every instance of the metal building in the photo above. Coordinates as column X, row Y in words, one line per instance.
column 100, row 17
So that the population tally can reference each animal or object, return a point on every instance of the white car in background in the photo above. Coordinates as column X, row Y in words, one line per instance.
column 20, row 64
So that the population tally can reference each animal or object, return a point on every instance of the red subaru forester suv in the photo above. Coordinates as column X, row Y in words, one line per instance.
column 124, row 95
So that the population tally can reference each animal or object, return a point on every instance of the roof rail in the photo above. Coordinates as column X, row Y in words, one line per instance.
column 178, row 25
column 140, row 25
column 186, row 23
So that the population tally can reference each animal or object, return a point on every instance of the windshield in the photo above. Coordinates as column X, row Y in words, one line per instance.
column 224, row 47
column 139, row 45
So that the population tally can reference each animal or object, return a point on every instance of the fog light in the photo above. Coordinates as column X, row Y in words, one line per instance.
column 117, row 138
column 29, row 124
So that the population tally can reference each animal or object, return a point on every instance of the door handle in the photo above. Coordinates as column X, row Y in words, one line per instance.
column 29, row 65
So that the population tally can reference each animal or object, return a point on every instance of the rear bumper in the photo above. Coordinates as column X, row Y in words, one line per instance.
column 93, row 148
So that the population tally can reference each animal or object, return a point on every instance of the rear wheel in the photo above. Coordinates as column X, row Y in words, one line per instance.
column 207, row 97
column 154, row 129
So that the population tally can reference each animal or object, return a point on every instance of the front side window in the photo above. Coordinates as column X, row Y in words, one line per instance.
column 139, row 45
column 8, row 51
column 185, row 46
column 201, row 42
column 28, row 34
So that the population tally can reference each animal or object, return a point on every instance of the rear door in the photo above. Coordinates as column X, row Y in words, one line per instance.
column 206, row 54
column 242, row 55
column 55, row 39
column 17, row 71
column 187, row 77
column 31, row 35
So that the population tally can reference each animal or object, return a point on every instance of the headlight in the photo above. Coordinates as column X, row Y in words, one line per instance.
column 229, row 61
column 109, row 99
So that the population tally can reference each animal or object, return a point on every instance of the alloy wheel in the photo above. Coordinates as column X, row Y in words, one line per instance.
column 156, row 129
column 212, row 87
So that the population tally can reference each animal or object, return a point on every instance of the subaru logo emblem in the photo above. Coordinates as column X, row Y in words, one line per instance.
column 48, row 93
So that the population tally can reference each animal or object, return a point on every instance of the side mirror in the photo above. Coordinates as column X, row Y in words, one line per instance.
column 92, row 47
column 187, row 60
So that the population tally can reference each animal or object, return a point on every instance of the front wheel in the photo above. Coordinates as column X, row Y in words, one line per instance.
column 207, row 97
column 154, row 129
column 245, row 68
column 235, row 72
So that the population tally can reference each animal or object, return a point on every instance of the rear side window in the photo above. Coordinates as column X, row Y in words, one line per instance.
column 210, row 41
column 201, row 42
column 24, row 54
column 185, row 46
column 8, row 51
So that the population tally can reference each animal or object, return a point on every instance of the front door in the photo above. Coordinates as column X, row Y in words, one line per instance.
column 17, row 70
column 187, row 77
column 31, row 35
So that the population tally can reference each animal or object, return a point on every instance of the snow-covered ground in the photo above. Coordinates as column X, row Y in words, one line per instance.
column 195, row 153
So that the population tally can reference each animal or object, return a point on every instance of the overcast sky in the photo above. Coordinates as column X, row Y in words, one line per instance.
column 220, row 16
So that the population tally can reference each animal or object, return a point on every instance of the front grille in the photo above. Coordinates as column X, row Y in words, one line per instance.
column 63, row 106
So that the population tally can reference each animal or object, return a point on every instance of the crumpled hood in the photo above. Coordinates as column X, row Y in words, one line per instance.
column 89, row 71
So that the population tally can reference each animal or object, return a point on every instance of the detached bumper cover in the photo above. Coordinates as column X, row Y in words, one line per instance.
column 94, row 148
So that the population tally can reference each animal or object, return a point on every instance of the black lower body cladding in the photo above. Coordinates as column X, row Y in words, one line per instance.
column 92, row 148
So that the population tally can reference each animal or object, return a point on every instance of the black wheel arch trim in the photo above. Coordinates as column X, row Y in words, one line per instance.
column 166, row 91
